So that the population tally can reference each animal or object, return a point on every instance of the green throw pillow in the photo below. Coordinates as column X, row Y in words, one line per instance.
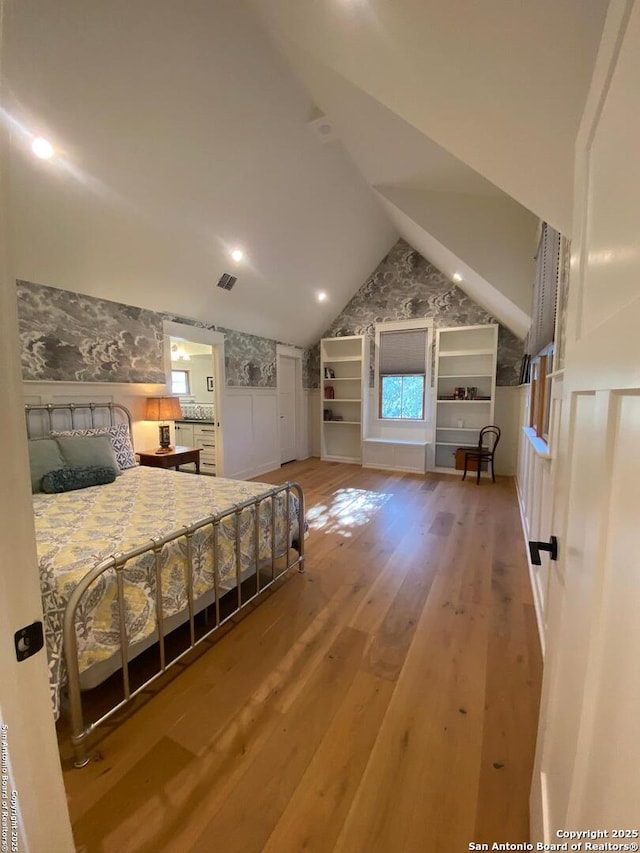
column 44, row 456
column 69, row 479
column 81, row 451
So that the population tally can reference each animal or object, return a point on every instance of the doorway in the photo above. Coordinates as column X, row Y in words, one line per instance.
column 194, row 367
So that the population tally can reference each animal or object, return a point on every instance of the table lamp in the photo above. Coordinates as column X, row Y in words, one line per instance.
column 163, row 409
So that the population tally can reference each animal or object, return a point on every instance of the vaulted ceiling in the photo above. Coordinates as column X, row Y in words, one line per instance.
column 186, row 130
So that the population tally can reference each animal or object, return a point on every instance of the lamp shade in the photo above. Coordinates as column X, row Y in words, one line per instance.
column 163, row 409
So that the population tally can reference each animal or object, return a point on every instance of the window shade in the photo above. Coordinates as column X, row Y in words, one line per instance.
column 545, row 290
column 402, row 353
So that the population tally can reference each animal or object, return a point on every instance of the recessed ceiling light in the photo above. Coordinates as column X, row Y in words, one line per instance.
column 322, row 296
column 237, row 255
column 42, row 149
column 457, row 277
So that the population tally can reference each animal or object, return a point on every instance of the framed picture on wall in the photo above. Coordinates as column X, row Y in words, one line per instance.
column 209, row 383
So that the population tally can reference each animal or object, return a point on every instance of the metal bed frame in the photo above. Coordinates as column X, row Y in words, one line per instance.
column 117, row 562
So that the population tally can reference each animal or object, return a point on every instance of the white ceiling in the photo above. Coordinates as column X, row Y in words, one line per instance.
column 184, row 132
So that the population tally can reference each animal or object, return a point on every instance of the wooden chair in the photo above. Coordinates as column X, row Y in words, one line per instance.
column 484, row 452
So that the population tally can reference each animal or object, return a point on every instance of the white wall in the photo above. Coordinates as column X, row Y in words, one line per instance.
column 250, row 424
column 506, row 415
column 200, row 367
column 499, row 85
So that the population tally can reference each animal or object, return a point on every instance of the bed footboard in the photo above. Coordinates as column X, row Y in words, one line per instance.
column 292, row 554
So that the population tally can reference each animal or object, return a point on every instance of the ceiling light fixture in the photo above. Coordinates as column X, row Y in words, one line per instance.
column 322, row 296
column 42, row 148
column 457, row 277
column 237, row 255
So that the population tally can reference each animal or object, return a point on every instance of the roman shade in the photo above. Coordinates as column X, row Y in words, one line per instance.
column 403, row 352
column 545, row 291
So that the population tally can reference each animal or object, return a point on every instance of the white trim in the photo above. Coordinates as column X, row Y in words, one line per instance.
column 537, row 603
column 288, row 351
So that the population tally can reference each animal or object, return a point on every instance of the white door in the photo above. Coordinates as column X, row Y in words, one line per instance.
column 287, row 407
column 588, row 754
column 33, row 807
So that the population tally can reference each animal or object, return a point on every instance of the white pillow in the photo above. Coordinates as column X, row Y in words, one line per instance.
column 120, row 439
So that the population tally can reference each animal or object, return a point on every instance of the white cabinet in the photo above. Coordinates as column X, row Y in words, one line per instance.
column 343, row 367
column 184, row 434
column 465, row 387
column 202, row 436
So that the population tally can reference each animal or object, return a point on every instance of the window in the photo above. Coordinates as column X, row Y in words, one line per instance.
column 540, row 399
column 180, row 382
column 401, row 367
column 402, row 397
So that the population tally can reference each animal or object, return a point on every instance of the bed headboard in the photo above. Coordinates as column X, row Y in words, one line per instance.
column 42, row 419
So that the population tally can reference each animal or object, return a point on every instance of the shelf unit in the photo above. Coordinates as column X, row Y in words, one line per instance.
column 466, row 357
column 345, row 358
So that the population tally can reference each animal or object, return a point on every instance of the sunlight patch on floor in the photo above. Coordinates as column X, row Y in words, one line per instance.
column 348, row 508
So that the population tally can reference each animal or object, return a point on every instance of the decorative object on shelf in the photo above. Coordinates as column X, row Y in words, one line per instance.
column 327, row 414
column 329, row 393
column 460, row 423
column 337, row 418
column 163, row 409
column 329, row 373
column 459, row 393
column 209, row 383
column 471, row 393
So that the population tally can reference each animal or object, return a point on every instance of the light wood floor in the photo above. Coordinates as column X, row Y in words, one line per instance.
column 383, row 702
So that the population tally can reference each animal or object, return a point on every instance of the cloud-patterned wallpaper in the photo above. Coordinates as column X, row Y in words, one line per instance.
column 404, row 286
column 71, row 337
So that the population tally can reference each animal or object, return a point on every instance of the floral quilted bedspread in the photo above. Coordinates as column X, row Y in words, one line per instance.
column 77, row 530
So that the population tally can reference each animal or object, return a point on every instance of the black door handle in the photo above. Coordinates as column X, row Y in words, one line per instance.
column 536, row 547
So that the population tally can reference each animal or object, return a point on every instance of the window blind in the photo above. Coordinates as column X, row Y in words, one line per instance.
column 545, row 290
column 403, row 352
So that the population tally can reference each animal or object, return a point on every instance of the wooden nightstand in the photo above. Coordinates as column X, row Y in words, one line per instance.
column 173, row 459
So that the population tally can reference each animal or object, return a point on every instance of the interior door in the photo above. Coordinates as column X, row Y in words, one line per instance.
column 287, row 407
column 589, row 739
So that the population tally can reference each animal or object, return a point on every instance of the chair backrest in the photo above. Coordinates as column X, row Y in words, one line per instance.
column 489, row 437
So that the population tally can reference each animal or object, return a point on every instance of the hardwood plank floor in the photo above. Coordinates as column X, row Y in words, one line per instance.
column 385, row 701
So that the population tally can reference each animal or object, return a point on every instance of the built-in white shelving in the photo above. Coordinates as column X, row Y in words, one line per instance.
column 342, row 373
column 466, row 358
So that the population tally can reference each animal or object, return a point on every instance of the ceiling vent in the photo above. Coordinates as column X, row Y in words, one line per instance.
column 322, row 128
column 227, row 281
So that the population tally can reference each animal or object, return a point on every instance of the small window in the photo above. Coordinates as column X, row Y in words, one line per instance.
column 540, row 394
column 180, row 382
column 402, row 397
column 402, row 368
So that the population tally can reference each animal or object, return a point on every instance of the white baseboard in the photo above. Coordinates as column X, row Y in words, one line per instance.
column 249, row 473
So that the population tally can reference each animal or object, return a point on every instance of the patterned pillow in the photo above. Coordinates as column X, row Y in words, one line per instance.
column 69, row 479
column 120, row 439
